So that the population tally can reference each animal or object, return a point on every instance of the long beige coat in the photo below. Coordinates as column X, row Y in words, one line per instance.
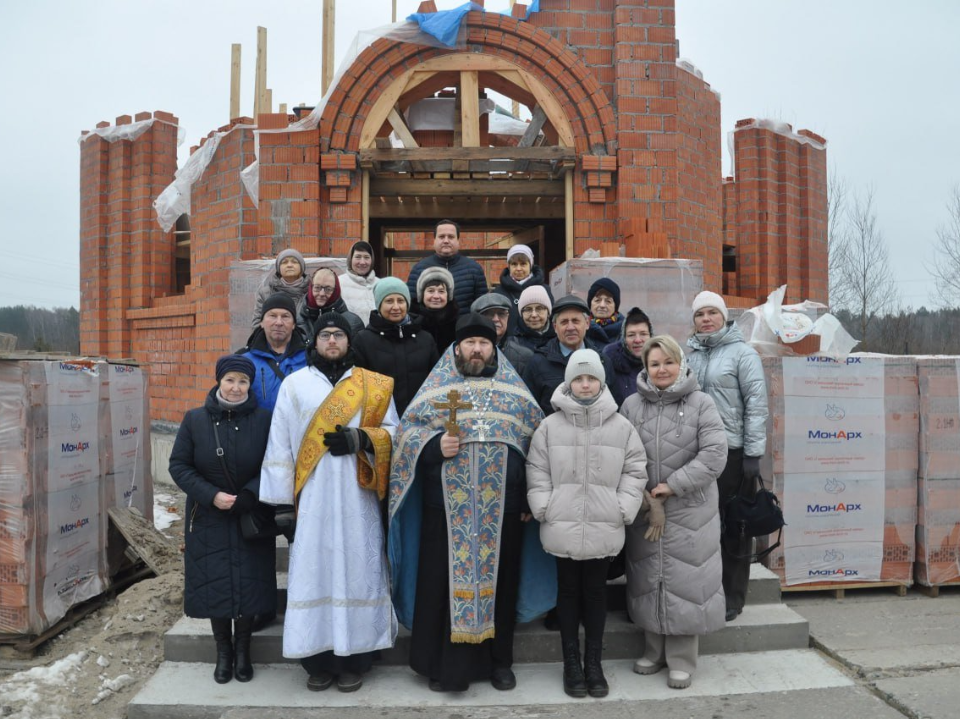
column 585, row 477
column 674, row 585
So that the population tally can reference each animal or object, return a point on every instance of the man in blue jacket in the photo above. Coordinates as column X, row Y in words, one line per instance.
column 276, row 348
column 469, row 280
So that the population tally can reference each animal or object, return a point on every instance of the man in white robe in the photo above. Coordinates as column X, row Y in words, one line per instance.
column 328, row 453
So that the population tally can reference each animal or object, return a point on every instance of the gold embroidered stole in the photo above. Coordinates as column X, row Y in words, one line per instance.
column 363, row 391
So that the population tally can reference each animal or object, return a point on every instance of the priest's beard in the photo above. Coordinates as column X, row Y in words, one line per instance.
column 475, row 366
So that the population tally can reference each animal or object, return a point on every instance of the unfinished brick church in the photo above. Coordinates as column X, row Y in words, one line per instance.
column 622, row 155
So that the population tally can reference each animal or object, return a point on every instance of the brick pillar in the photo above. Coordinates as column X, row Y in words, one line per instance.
column 94, row 154
column 813, row 218
column 645, row 72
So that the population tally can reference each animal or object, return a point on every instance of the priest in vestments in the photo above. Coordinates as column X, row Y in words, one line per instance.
column 465, row 557
column 329, row 455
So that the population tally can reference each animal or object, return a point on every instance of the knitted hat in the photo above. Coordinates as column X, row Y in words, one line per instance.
column 476, row 325
column 390, row 286
column 290, row 252
column 279, row 300
column 610, row 286
column 432, row 276
column 329, row 320
column 520, row 250
column 569, row 302
column 710, row 299
column 489, row 301
column 535, row 295
column 235, row 363
column 584, row 362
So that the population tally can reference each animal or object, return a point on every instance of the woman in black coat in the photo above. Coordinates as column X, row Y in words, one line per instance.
column 394, row 343
column 227, row 578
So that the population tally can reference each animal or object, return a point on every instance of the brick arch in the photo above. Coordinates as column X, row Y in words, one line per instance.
column 582, row 99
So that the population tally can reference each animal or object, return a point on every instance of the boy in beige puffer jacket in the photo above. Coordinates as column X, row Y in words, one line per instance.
column 586, row 470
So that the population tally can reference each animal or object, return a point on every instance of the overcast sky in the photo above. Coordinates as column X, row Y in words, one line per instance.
column 877, row 78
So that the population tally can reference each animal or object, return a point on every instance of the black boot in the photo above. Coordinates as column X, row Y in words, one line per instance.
column 222, row 633
column 574, row 683
column 593, row 669
column 243, row 628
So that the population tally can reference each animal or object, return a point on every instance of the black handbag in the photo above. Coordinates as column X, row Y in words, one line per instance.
column 747, row 518
column 258, row 524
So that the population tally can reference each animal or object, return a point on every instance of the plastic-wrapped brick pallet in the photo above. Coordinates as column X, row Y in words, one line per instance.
column 663, row 289
column 843, row 454
column 938, row 490
column 67, row 453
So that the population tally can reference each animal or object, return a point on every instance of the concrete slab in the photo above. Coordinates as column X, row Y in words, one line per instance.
column 933, row 694
column 757, row 682
column 879, row 634
column 759, row 628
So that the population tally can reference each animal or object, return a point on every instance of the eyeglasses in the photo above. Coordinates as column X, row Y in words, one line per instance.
column 498, row 313
column 337, row 335
column 531, row 309
column 325, row 289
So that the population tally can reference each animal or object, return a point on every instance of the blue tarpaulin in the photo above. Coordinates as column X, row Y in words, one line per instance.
column 444, row 25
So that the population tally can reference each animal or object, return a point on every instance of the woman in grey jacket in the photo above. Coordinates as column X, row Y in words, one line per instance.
column 731, row 373
column 674, row 590
column 585, row 478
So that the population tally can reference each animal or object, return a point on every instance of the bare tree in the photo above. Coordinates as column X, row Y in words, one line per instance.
column 946, row 266
column 865, row 268
column 839, row 292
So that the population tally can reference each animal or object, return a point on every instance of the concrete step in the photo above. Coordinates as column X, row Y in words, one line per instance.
column 760, row 628
column 187, row 690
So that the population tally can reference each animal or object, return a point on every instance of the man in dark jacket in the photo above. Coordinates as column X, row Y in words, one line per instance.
column 276, row 348
column 545, row 370
column 469, row 280
column 625, row 354
column 496, row 308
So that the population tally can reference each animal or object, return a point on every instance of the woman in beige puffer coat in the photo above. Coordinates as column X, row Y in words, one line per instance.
column 674, row 589
column 585, row 478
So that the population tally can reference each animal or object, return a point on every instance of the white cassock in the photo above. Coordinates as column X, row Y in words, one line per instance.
column 338, row 595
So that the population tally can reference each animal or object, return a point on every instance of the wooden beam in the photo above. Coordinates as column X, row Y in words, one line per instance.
column 466, row 61
column 365, row 206
column 234, row 80
column 328, row 43
column 498, row 83
column 260, row 76
column 282, row 108
column 381, row 109
column 399, row 126
column 546, row 153
column 464, row 209
column 552, row 108
column 466, row 188
column 393, row 14
column 470, row 108
column 568, row 213
column 533, row 129
column 268, row 101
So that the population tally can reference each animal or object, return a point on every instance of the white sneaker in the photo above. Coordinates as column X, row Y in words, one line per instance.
column 646, row 667
column 679, row 679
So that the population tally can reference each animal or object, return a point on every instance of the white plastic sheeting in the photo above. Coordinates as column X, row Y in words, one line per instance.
column 771, row 326
column 174, row 201
column 130, row 131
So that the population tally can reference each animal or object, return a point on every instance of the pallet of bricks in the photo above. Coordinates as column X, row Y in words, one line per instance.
column 842, row 450
column 938, row 490
column 74, row 441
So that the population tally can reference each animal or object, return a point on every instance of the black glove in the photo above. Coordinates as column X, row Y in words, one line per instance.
column 345, row 441
column 246, row 501
column 751, row 467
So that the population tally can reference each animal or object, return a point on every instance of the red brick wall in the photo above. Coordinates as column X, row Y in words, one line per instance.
column 780, row 211
column 699, row 195
column 126, row 259
column 647, row 108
